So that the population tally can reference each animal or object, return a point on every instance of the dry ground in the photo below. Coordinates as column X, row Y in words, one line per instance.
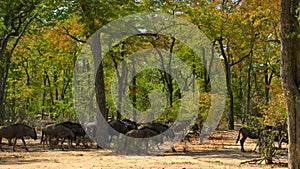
column 220, row 151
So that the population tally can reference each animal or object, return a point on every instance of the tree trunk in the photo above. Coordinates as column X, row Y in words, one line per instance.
column 2, row 98
column 207, row 70
column 168, row 76
column 290, row 73
column 230, row 96
column 5, row 57
column 134, row 91
column 230, row 116
column 44, row 96
column 100, row 90
column 268, row 80
column 248, row 108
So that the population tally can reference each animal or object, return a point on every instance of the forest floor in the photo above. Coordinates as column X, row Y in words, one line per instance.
column 220, row 152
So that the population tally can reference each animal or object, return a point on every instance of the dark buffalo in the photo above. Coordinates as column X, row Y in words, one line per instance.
column 168, row 132
column 246, row 132
column 46, row 131
column 277, row 133
column 57, row 132
column 256, row 133
column 160, row 128
column 121, row 126
column 77, row 129
column 130, row 124
column 144, row 132
column 17, row 131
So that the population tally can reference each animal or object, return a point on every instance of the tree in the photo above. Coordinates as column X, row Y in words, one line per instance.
column 290, row 74
column 15, row 16
column 222, row 22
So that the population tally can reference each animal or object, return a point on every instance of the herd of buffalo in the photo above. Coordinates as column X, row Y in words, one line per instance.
column 56, row 134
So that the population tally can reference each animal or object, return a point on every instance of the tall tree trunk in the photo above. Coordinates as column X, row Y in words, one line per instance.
column 134, row 91
column 290, row 73
column 5, row 57
column 4, row 64
column 121, row 83
column 168, row 76
column 207, row 70
column 268, row 80
column 55, row 78
column 248, row 109
column 44, row 96
column 240, row 97
column 50, row 91
column 230, row 116
column 99, row 89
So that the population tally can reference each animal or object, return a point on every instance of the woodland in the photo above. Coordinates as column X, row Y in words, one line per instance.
column 42, row 40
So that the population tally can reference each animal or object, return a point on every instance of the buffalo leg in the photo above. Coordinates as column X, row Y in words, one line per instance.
column 1, row 144
column 242, row 141
column 62, row 144
column 173, row 148
column 51, row 143
column 15, row 142
column 9, row 142
column 42, row 138
column 45, row 140
column 24, row 144
column 257, row 145
column 70, row 145
column 146, row 148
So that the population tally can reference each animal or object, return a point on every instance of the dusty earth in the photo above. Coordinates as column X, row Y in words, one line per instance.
column 220, row 151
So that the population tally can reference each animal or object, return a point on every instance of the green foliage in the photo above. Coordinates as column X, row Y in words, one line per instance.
column 41, row 69
column 267, row 148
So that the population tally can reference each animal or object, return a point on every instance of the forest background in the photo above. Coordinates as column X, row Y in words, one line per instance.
column 41, row 40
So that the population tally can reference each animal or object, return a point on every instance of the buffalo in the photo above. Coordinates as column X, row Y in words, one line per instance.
column 17, row 131
column 256, row 134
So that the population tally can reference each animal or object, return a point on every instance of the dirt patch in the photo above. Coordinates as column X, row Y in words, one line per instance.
column 220, row 151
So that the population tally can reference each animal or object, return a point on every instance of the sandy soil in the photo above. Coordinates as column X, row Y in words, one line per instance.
column 220, row 151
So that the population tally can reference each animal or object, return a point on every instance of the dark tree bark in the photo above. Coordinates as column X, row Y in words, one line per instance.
column 248, row 108
column 4, row 65
column 121, row 81
column 207, row 70
column 167, row 78
column 268, row 80
column 230, row 115
column 228, row 63
column 290, row 73
column 99, row 89
column 134, row 91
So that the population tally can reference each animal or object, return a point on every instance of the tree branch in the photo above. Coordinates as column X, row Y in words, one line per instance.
column 72, row 36
column 23, row 31
column 242, row 58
